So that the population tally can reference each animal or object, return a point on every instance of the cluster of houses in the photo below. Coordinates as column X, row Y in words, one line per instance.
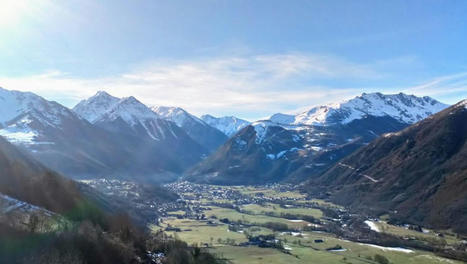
column 195, row 192
column 133, row 195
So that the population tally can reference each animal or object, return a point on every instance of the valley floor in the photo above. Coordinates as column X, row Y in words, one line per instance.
column 275, row 224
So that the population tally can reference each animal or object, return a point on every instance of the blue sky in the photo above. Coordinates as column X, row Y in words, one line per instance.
column 244, row 58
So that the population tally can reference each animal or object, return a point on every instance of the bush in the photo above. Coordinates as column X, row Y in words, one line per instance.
column 381, row 259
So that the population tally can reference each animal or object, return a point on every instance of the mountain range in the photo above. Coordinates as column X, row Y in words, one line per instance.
column 105, row 136
column 416, row 175
column 295, row 147
column 117, row 137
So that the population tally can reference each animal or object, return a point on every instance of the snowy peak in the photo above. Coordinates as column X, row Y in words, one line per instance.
column 24, row 116
column 105, row 107
column 229, row 125
column 175, row 114
column 462, row 103
column 402, row 107
column 204, row 134
column 130, row 110
column 92, row 108
column 15, row 103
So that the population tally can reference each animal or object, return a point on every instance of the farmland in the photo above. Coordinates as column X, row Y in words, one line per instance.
column 256, row 225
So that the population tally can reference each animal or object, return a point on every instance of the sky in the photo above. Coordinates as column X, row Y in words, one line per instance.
column 246, row 58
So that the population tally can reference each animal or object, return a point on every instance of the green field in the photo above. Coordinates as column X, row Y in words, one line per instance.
column 200, row 232
column 270, row 192
column 278, row 210
column 234, row 215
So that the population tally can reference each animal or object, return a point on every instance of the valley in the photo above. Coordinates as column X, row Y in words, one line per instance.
column 233, row 132
column 277, row 224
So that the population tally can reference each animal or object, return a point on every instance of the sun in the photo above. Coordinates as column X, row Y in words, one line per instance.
column 12, row 11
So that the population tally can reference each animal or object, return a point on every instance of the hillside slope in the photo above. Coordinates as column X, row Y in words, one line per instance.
column 25, row 179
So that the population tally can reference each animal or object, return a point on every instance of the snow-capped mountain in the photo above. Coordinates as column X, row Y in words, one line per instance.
column 55, row 135
column 105, row 110
column 402, row 107
column 294, row 147
column 92, row 108
column 158, row 142
column 24, row 116
column 206, row 135
column 229, row 125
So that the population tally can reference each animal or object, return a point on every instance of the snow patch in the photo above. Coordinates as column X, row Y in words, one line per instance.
column 261, row 129
column 372, row 226
column 296, row 221
column 25, row 137
column 398, row 249
column 271, row 156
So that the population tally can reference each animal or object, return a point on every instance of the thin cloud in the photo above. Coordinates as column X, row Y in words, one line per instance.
column 452, row 87
column 251, row 86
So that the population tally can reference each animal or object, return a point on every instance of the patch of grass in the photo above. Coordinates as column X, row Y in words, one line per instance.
column 254, row 255
column 200, row 232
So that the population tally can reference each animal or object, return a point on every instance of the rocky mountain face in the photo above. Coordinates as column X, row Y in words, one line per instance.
column 416, row 175
column 207, row 136
column 229, row 125
column 296, row 147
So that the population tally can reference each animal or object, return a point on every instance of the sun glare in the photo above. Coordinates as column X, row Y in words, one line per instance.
column 12, row 11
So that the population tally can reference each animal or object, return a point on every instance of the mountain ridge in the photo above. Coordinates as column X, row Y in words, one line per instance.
column 269, row 151
column 402, row 107
column 229, row 125
column 206, row 135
